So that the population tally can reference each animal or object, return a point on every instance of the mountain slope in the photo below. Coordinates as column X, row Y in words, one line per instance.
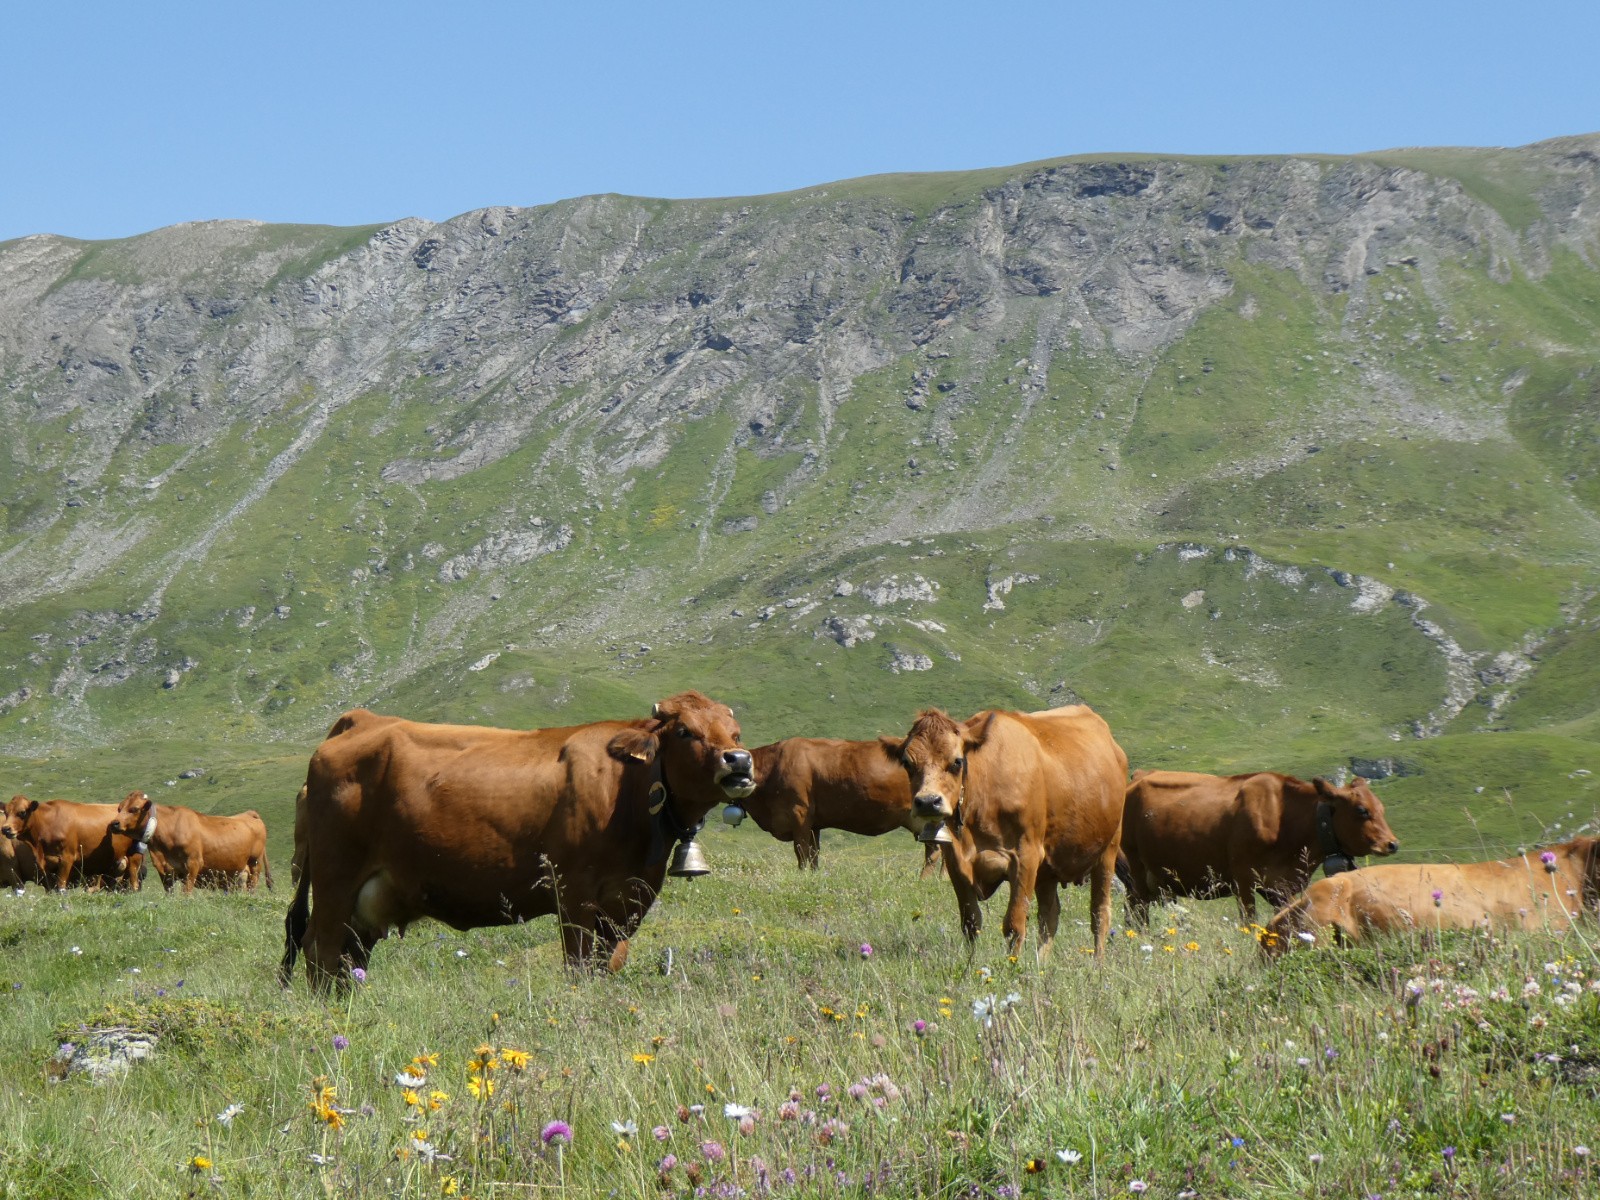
column 1275, row 461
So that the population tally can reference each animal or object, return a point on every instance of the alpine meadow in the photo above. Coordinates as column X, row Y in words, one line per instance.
column 1285, row 464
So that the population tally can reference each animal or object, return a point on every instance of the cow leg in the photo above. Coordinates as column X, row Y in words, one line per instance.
column 64, row 871
column 932, row 861
column 807, row 846
column 1101, row 876
column 191, row 877
column 1049, row 910
column 966, row 892
column 1024, row 875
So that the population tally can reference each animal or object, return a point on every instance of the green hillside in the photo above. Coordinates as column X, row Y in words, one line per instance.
column 1278, row 463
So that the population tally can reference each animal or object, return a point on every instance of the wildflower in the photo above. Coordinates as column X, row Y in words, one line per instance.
column 1191, row 947
column 76, row 950
column 713, row 1151
column 736, row 1112
column 1548, row 858
column 857, row 1091
column 319, row 1160
column 1581, row 1151
column 1438, row 897
column 358, row 974
column 644, row 1060
column 408, row 1079
column 747, row 1126
column 517, row 1060
column 661, row 1133
column 1316, row 1160
column 227, row 1115
column 1147, row 948
column 1302, row 1062
column 199, row 1163
column 866, row 949
column 558, row 1132
column 919, row 1027
column 1306, row 936
column 1509, row 1118
column 448, row 1185
column 436, row 1098
column 340, row 1042
column 481, row 1088
column 789, row 1110
column 1070, row 1157
column 1138, row 1187
column 1236, row 1141
column 667, row 1163
column 411, row 1098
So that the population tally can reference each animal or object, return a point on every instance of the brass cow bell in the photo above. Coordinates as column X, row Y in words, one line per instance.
column 934, row 833
column 688, row 860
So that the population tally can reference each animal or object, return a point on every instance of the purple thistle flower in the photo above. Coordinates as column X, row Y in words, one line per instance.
column 1438, row 897
column 556, row 1131
column 668, row 1163
column 919, row 1027
column 1548, row 858
column 713, row 1151
column 340, row 1042
column 359, row 975
column 866, row 949
column 1449, row 1153
column 822, row 1090
column 661, row 1133
column 789, row 1176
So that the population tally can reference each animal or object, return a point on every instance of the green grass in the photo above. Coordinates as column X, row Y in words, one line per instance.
column 1178, row 1064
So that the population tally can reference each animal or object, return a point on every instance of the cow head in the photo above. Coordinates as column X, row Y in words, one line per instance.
column 1358, row 820
column 16, row 815
column 694, row 742
column 1587, row 851
column 934, row 755
column 133, row 814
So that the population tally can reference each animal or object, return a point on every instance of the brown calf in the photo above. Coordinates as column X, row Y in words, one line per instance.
column 199, row 847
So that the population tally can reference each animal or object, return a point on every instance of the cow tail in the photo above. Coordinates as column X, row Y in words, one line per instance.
column 266, row 870
column 298, row 918
column 1124, row 870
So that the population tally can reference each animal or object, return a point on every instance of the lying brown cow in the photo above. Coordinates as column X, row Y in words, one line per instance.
column 70, row 840
column 1034, row 799
column 475, row 826
column 1186, row 834
column 805, row 785
column 1539, row 890
column 199, row 847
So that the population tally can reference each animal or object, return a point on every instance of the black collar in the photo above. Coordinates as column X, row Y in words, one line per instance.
column 1335, row 859
column 666, row 827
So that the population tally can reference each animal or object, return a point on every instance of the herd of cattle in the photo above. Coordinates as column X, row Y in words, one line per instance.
column 472, row 826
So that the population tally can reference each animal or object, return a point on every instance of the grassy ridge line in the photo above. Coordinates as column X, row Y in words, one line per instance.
column 1186, row 1064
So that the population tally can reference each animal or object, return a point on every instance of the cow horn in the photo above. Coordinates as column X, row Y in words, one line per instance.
column 655, row 710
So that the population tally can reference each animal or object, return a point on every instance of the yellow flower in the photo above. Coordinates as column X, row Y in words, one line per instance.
column 516, row 1059
column 481, row 1088
column 1131, row 933
column 411, row 1098
column 1191, row 947
column 1228, row 950
column 711, row 1089
column 436, row 1098
column 334, row 1118
column 199, row 1163
column 1169, row 950
column 644, row 1060
column 425, row 1061
column 622, row 1144
column 658, row 1040
column 449, row 1186
column 756, row 978
column 736, row 912
column 419, row 1135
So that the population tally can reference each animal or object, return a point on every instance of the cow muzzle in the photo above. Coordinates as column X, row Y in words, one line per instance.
column 736, row 776
column 931, row 804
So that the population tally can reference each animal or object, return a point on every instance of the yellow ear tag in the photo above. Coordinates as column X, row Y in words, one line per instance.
column 658, row 796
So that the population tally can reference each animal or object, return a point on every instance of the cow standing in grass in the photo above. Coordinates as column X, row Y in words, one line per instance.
column 1546, row 889
column 200, row 847
column 474, row 826
column 1031, row 799
column 805, row 785
column 1188, row 834
column 68, row 841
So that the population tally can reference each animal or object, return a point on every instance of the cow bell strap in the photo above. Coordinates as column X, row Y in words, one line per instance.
column 1335, row 859
column 666, row 827
column 961, row 796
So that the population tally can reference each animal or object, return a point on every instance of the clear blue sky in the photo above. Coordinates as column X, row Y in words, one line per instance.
column 120, row 117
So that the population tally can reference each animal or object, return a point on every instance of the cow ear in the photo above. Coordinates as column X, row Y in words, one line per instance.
column 894, row 747
column 975, row 731
column 1325, row 789
column 637, row 744
column 29, row 807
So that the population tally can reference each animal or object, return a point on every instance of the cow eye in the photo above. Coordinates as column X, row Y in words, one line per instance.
column 736, row 741
column 957, row 763
column 1363, row 811
column 683, row 731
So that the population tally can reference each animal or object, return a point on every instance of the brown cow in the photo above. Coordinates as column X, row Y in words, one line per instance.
column 199, row 847
column 18, row 864
column 1187, row 834
column 475, row 826
column 68, row 840
column 1033, row 798
column 1538, row 890
column 805, row 785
